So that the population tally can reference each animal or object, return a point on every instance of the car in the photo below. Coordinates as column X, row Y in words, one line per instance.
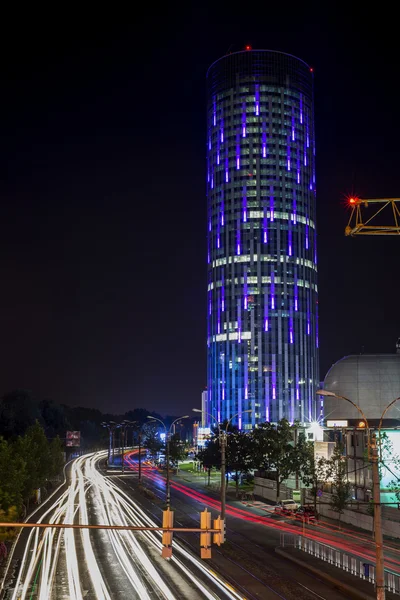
column 286, row 507
column 306, row 514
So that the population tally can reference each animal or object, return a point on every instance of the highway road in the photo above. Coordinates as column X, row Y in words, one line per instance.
column 253, row 539
column 104, row 564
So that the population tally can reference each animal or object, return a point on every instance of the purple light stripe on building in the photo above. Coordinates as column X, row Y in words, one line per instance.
column 257, row 100
column 272, row 291
column 271, row 203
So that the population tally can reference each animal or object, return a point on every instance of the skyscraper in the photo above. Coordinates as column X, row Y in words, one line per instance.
column 262, row 263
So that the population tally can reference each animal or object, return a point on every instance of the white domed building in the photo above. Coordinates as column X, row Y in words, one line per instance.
column 371, row 381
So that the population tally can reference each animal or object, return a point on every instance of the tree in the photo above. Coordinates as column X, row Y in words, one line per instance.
column 340, row 485
column 18, row 410
column 274, row 450
column 389, row 465
column 33, row 450
column 12, row 476
column 152, row 441
column 210, row 456
column 177, row 449
column 239, row 455
column 316, row 471
column 54, row 419
column 56, row 457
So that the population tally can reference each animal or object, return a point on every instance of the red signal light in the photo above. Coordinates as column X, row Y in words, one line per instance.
column 247, row 47
column 311, row 70
column 352, row 200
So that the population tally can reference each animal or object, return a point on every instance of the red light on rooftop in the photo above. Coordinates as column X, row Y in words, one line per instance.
column 311, row 70
column 247, row 47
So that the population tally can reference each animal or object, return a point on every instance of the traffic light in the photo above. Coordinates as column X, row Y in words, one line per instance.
column 219, row 538
column 167, row 523
column 205, row 538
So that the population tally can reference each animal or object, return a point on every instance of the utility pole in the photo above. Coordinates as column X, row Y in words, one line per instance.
column 223, row 469
column 380, row 563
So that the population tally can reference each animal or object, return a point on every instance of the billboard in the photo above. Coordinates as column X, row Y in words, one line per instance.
column 73, row 438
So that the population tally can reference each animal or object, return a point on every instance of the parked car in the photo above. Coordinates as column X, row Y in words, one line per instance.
column 286, row 507
column 307, row 514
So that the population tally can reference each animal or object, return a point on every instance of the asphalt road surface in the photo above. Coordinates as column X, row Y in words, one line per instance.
column 104, row 564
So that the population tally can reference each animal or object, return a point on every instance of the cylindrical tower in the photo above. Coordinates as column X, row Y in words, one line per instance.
column 262, row 263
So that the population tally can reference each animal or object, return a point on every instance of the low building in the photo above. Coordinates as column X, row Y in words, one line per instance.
column 372, row 382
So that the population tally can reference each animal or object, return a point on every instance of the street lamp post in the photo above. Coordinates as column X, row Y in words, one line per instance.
column 111, row 426
column 124, row 429
column 168, row 436
column 373, row 454
column 222, row 433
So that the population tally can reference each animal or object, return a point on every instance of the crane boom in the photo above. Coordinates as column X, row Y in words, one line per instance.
column 388, row 222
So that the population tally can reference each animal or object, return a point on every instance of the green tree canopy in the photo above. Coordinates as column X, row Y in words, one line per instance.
column 12, row 476
column 340, row 484
column 33, row 450
column 274, row 450
column 239, row 454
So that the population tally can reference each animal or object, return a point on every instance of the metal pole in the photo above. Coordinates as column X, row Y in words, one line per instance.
column 123, row 447
column 113, row 443
column 168, row 486
column 109, row 444
column 223, row 479
column 380, row 561
column 140, row 458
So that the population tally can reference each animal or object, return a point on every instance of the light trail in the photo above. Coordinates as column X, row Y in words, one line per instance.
column 361, row 547
column 133, row 553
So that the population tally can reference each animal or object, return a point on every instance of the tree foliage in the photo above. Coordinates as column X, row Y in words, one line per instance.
column 26, row 464
column 315, row 471
column 340, row 484
column 178, row 449
column 274, row 450
column 239, row 455
column 12, row 475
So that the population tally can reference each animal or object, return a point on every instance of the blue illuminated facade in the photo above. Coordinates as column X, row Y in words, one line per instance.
column 262, row 265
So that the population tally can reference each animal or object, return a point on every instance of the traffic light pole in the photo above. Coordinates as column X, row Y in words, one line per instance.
column 380, row 563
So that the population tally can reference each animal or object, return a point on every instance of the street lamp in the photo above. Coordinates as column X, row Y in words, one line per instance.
column 111, row 426
column 222, row 433
column 373, row 453
column 168, row 436
column 124, row 429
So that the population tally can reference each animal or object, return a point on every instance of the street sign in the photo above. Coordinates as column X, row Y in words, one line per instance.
column 73, row 438
column 297, row 495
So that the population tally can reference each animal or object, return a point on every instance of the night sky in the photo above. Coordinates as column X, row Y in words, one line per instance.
column 102, row 192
